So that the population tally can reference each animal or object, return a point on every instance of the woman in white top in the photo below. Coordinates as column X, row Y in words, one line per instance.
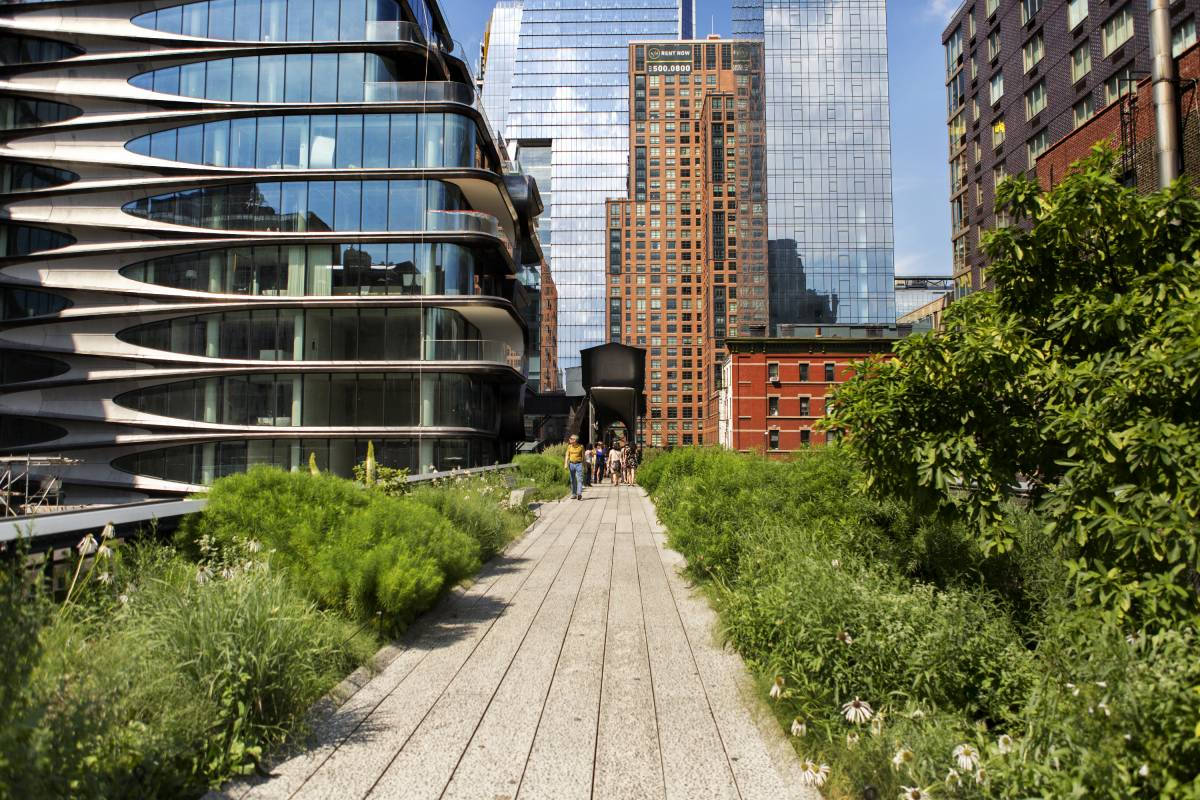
column 615, row 465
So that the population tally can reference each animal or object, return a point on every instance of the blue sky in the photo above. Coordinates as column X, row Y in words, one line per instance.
column 919, row 173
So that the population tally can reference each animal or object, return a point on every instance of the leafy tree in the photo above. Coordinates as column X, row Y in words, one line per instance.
column 1078, row 378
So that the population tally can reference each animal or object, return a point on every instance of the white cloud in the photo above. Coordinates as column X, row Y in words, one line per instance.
column 920, row 264
column 941, row 9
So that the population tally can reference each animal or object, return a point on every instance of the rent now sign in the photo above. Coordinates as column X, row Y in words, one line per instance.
column 668, row 58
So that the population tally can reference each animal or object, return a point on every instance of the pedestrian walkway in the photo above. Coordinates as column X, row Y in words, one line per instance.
column 578, row 665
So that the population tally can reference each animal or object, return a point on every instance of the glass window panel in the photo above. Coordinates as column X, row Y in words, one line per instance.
column 274, row 20
column 430, row 138
column 325, row 77
column 320, row 205
column 344, row 333
column 295, row 142
column 326, row 18
column 270, row 79
column 315, row 401
column 218, row 79
column 242, row 134
column 245, row 79
column 460, row 141
column 190, row 148
column 170, row 20
column 216, row 143
column 162, row 145
column 375, row 205
column 324, row 136
column 220, row 19
column 294, row 206
column 245, row 20
column 167, row 80
column 402, row 336
column 350, row 77
column 353, row 20
column 405, row 205
column 345, row 272
column 403, row 399
column 234, row 335
column 191, row 80
column 347, row 209
column 371, row 334
column 270, row 143
column 195, row 19
column 349, row 141
column 370, row 401
column 375, row 140
column 299, row 20
column 268, row 209
column 297, row 71
column 404, row 140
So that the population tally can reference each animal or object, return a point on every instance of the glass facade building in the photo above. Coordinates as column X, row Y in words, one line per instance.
column 566, row 116
column 253, row 232
column 829, row 176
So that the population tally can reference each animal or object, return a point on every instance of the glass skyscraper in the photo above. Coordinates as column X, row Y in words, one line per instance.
column 829, row 174
column 565, row 113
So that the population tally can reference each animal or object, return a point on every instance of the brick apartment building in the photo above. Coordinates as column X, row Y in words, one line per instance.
column 687, row 258
column 1022, row 75
column 1129, row 125
column 774, row 390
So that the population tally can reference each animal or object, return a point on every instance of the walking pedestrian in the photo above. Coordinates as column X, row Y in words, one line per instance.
column 630, row 460
column 589, row 464
column 601, row 454
column 573, row 464
column 615, row 466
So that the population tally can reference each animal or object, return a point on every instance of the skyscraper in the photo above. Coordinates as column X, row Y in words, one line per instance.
column 566, row 118
column 829, row 175
column 251, row 233
column 687, row 250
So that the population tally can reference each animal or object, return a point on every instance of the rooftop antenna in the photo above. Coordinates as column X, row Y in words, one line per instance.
column 711, row 23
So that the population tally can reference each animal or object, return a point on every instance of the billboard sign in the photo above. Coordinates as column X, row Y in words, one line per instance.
column 673, row 58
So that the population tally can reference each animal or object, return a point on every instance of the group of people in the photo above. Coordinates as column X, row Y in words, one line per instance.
column 591, row 464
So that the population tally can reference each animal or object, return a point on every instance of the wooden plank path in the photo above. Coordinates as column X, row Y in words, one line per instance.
column 578, row 665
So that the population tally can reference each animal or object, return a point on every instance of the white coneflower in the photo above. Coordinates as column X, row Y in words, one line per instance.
column 851, row 740
column 104, row 578
column 1103, row 706
column 917, row 714
column 109, row 532
column 103, row 551
column 202, row 575
column 845, row 638
column 980, row 776
column 912, row 793
column 952, row 779
column 967, row 757
column 253, row 546
column 87, row 545
column 799, row 728
column 1144, row 770
column 1102, row 684
column 903, row 756
column 1004, row 744
column 836, row 563
column 812, row 773
column 123, row 599
column 777, row 688
column 857, row 711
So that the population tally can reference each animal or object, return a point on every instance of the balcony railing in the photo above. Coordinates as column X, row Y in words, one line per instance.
column 419, row 92
column 491, row 350
column 473, row 221
column 393, row 31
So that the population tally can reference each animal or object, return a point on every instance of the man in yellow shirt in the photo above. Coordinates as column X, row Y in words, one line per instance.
column 573, row 463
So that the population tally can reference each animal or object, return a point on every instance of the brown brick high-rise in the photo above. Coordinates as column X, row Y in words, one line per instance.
column 687, row 257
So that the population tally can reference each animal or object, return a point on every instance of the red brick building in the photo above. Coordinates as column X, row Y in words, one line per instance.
column 1129, row 126
column 773, row 390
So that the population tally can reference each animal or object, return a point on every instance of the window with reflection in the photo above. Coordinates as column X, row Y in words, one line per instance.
column 21, row 303
column 22, row 432
column 322, row 141
column 396, row 268
column 25, row 112
column 21, row 240
column 34, row 50
column 291, row 78
column 18, row 176
column 287, row 20
column 316, row 206
column 326, row 400
column 204, row 463
column 323, row 334
column 21, row 367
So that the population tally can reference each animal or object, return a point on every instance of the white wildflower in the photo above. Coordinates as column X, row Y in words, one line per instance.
column 1144, row 771
column 123, row 599
column 87, row 545
column 917, row 714
column 103, row 551
column 813, row 774
column 799, row 728
column 903, row 756
column 912, row 793
column 1103, row 706
column 108, row 533
column 253, row 546
column 1004, row 744
column 857, row 711
column 202, row 575
column 105, row 578
column 1102, row 684
column 980, row 776
column 851, row 740
column 836, row 563
column 845, row 638
column 777, row 688
column 967, row 757
column 877, row 724
column 952, row 779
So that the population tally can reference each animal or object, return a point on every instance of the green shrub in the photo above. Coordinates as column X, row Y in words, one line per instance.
column 545, row 471
column 350, row 548
column 478, row 506
column 167, row 680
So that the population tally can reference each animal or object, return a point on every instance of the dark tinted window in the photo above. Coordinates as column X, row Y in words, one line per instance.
column 22, row 432
column 20, row 367
column 31, row 50
column 17, row 176
column 25, row 112
column 21, row 303
column 20, row 240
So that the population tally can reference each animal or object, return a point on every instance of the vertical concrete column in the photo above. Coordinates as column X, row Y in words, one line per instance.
column 1166, row 106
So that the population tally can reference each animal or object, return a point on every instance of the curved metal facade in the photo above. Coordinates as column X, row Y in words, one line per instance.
column 224, row 241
